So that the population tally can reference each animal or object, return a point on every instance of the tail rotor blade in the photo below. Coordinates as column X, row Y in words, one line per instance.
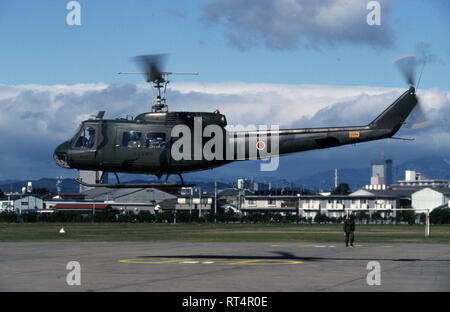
column 417, row 119
column 407, row 65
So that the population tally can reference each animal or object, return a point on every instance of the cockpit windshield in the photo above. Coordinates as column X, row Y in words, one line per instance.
column 86, row 138
column 75, row 136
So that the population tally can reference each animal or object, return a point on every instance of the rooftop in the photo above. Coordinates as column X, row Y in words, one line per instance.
column 127, row 195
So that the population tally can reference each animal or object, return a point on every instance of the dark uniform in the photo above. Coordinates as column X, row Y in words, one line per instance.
column 349, row 230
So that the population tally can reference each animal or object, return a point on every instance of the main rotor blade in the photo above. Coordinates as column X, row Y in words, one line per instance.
column 152, row 66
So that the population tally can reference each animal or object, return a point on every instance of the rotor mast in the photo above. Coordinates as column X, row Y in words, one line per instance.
column 157, row 78
column 159, row 101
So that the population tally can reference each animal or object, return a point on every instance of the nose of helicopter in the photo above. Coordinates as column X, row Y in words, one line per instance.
column 60, row 155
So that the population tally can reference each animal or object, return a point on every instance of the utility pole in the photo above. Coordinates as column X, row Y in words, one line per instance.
column 190, row 203
column 335, row 178
column 200, row 200
column 215, row 200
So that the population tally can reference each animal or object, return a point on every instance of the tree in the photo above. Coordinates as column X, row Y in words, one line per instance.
column 145, row 216
column 342, row 189
column 230, row 216
column 376, row 216
column 440, row 216
column 362, row 215
column 277, row 218
column 319, row 218
column 406, row 216
column 8, row 216
column 2, row 195
column 422, row 218
column 40, row 191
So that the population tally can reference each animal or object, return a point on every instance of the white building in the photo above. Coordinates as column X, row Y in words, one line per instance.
column 272, row 203
column 21, row 203
column 417, row 179
column 383, row 201
column 91, row 177
column 202, row 203
column 430, row 198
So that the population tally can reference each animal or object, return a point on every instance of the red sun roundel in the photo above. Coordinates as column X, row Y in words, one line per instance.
column 260, row 145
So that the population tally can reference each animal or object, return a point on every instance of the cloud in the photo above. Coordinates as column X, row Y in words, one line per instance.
column 286, row 24
column 34, row 119
column 425, row 56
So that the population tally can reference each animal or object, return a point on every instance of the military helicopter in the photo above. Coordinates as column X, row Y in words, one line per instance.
column 163, row 142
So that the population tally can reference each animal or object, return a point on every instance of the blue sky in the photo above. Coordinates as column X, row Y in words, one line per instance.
column 254, row 56
column 38, row 46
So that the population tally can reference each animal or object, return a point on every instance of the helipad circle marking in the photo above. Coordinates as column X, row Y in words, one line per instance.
column 188, row 262
column 222, row 261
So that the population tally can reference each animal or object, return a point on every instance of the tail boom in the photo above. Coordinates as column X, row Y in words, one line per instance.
column 299, row 140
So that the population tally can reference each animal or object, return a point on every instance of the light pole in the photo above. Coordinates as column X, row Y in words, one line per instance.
column 200, row 202
column 190, row 203
column 215, row 200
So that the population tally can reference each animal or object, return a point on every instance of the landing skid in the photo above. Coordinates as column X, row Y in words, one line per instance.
column 160, row 186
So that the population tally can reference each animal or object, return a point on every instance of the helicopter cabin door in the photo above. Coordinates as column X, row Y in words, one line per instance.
column 127, row 147
column 155, row 152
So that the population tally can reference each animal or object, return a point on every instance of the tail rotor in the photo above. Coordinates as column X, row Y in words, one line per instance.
column 407, row 64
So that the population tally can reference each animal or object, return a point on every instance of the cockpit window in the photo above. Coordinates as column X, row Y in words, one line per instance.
column 86, row 138
column 131, row 139
column 75, row 136
column 155, row 140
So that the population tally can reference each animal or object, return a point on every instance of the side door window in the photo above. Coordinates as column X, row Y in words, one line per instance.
column 131, row 139
column 155, row 140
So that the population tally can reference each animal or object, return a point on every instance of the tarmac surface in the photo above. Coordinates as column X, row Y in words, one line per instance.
column 241, row 267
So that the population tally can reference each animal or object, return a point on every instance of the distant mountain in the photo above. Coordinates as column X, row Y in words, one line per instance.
column 354, row 177
column 204, row 186
column 435, row 167
column 7, row 181
column 69, row 185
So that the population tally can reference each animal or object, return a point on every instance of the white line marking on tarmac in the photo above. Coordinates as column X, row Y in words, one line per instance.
column 190, row 262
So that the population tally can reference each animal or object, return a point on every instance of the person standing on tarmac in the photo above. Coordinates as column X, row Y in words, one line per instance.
column 349, row 230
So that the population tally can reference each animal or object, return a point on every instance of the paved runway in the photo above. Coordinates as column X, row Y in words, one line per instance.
column 224, row 267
